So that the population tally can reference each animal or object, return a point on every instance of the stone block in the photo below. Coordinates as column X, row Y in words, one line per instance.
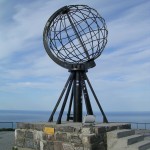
column 119, row 126
column 31, row 126
column 99, row 130
column 39, row 127
column 19, row 133
column 67, row 146
column 111, row 128
column 98, row 146
column 48, row 145
column 77, row 130
column 48, row 137
column 61, row 137
column 38, row 135
column 91, row 139
column 21, row 125
column 64, row 129
column 29, row 134
column 20, row 142
column 78, row 146
column 37, row 145
column 42, row 142
column 125, row 126
column 75, row 138
column 87, row 130
column 58, row 145
column 29, row 143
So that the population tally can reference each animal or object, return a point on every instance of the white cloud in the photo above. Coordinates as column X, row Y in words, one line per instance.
column 121, row 74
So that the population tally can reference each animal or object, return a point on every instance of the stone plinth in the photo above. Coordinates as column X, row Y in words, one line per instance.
column 66, row 136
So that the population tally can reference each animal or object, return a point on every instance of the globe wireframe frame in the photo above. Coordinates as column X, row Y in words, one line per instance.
column 75, row 34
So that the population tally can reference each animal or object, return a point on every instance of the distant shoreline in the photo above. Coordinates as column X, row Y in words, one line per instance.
column 14, row 116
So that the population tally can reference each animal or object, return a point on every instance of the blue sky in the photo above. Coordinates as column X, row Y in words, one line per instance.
column 30, row 80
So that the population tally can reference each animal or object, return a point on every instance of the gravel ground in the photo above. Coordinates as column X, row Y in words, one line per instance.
column 7, row 140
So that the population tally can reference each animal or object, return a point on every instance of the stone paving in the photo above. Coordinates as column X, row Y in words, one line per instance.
column 7, row 140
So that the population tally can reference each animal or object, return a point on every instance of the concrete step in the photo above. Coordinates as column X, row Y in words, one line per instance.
column 143, row 145
column 127, row 141
column 125, row 133
column 121, row 133
column 133, row 139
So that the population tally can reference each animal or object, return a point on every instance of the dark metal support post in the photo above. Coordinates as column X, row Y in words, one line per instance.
column 70, row 105
column 77, row 98
column 98, row 103
column 63, row 91
column 64, row 103
column 76, row 85
column 86, row 97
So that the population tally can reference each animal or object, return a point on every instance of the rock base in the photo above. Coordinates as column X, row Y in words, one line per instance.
column 65, row 136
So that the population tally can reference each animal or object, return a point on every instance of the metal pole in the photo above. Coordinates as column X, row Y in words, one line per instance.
column 70, row 105
column 77, row 98
column 98, row 103
column 64, row 103
column 86, row 97
column 63, row 91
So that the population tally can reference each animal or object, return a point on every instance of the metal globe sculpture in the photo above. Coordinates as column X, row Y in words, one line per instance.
column 74, row 36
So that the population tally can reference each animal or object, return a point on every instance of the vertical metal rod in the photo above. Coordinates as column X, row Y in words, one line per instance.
column 86, row 97
column 77, row 98
column 70, row 105
column 98, row 103
column 63, row 91
column 78, row 37
column 74, row 101
column 64, row 103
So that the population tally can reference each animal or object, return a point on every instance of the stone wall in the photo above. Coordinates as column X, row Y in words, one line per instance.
column 67, row 136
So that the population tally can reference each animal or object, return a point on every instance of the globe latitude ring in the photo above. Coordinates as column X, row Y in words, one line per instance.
column 75, row 35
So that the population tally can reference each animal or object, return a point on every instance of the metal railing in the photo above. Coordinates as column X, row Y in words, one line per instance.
column 137, row 125
column 134, row 125
column 8, row 125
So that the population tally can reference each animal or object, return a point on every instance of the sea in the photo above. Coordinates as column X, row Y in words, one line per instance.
column 9, row 118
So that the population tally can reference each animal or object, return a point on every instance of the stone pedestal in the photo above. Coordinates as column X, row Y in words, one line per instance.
column 65, row 136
